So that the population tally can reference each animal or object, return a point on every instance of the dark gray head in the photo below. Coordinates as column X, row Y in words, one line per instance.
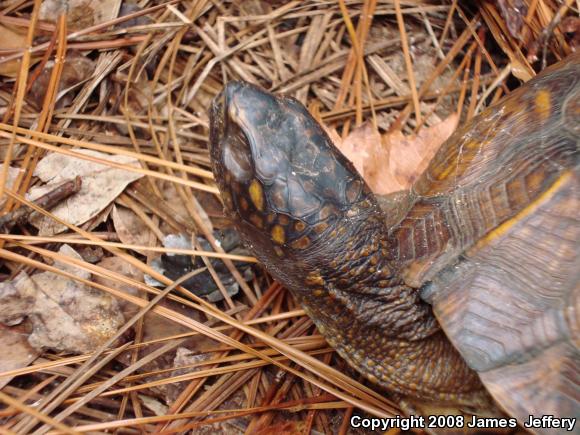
column 283, row 183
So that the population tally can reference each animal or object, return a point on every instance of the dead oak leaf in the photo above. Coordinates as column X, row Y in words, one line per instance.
column 76, row 69
column 101, row 184
column 66, row 315
column 80, row 13
column 131, row 229
column 393, row 161
column 11, row 37
column 16, row 352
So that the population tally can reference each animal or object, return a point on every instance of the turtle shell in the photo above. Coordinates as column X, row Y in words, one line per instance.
column 504, row 273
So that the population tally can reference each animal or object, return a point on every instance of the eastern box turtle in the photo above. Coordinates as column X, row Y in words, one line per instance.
column 469, row 279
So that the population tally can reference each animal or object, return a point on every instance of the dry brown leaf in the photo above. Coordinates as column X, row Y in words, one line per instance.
column 11, row 37
column 130, row 228
column 153, row 405
column 65, row 314
column 126, row 269
column 16, row 352
column 101, row 184
column 76, row 69
column 392, row 162
column 175, row 205
column 410, row 155
column 13, row 305
column 10, row 179
column 184, row 357
column 80, row 13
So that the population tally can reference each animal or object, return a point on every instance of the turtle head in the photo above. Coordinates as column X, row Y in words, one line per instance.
column 293, row 196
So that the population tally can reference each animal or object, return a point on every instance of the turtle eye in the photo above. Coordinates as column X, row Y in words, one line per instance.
column 237, row 156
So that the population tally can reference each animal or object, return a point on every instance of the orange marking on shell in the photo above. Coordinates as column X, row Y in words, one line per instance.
column 459, row 162
column 543, row 105
column 530, row 209
column 447, row 169
column 278, row 234
column 299, row 226
column 257, row 195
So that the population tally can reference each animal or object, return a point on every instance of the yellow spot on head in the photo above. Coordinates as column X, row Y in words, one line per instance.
column 302, row 243
column 257, row 221
column 256, row 195
column 278, row 234
column 543, row 106
column 318, row 292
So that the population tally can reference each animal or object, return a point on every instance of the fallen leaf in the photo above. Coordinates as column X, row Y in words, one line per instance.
column 101, row 184
column 126, row 269
column 91, row 254
column 76, row 69
column 155, row 327
column 131, row 229
column 14, row 306
column 80, row 13
column 17, row 353
column 184, row 357
column 153, row 405
column 12, row 37
column 66, row 315
column 174, row 203
column 392, row 162
column 10, row 179
column 410, row 155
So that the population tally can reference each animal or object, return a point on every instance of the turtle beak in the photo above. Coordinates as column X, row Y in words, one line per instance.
column 220, row 112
